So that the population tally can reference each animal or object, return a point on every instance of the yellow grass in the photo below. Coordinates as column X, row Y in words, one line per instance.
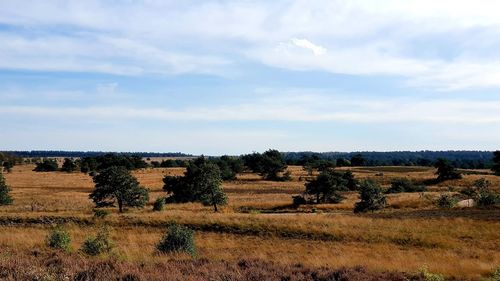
column 455, row 246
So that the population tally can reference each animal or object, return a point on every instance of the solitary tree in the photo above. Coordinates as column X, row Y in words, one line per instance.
column 5, row 198
column 201, row 183
column 446, row 171
column 372, row 197
column 116, row 184
column 496, row 163
column 327, row 187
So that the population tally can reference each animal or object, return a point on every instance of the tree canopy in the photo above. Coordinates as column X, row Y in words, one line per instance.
column 116, row 184
column 269, row 164
column 372, row 197
column 201, row 183
column 326, row 187
column 445, row 171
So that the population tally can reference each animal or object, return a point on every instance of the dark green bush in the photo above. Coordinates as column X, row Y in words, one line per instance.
column 298, row 200
column 177, row 239
column 404, row 185
column 59, row 238
column 159, row 204
column 487, row 198
column 446, row 201
column 100, row 213
column 99, row 244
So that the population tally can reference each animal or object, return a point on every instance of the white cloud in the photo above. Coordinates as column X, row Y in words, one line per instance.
column 446, row 45
column 291, row 108
column 306, row 44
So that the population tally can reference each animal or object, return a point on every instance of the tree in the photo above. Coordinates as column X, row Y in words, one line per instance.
column 268, row 164
column 69, row 165
column 5, row 198
column 47, row 165
column 446, row 171
column 357, row 160
column 496, row 163
column 372, row 197
column 404, row 185
column 116, row 184
column 229, row 166
column 201, row 183
column 327, row 186
column 352, row 183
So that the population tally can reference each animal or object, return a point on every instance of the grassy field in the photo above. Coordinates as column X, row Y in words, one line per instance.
column 259, row 224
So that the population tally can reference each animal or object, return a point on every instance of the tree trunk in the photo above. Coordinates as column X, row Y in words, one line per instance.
column 120, row 205
column 215, row 207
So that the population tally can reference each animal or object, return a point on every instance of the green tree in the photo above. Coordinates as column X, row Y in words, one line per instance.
column 5, row 198
column 357, row 160
column 327, row 187
column 69, row 165
column 269, row 164
column 47, row 165
column 116, row 184
column 446, row 171
column 201, row 183
column 496, row 163
column 372, row 197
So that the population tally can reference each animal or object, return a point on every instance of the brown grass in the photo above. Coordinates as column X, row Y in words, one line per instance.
column 406, row 236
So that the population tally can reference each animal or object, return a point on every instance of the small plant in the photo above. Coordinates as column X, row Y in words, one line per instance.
column 5, row 198
column 159, row 204
column 100, row 213
column 99, row 244
column 446, row 201
column 59, row 238
column 177, row 239
column 429, row 276
column 494, row 275
column 487, row 198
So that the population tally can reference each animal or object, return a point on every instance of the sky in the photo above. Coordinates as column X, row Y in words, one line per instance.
column 231, row 77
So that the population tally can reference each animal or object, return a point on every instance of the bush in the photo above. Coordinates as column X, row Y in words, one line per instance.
column 59, row 238
column 404, row 185
column 159, row 204
column 177, row 239
column 429, row 276
column 99, row 244
column 298, row 200
column 372, row 197
column 487, row 198
column 446, row 201
column 100, row 213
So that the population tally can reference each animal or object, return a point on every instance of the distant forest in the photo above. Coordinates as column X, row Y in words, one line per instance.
column 459, row 159
column 80, row 154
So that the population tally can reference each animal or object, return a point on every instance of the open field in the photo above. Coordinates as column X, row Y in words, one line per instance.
column 260, row 224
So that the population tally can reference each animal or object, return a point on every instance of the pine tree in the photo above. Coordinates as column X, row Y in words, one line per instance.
column 5, row 198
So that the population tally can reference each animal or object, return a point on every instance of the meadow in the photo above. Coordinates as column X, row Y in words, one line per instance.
column 260, row 226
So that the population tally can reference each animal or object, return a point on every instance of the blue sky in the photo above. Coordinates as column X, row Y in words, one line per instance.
column 218, row 77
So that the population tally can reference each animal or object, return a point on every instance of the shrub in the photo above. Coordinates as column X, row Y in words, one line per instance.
column 446, row 201
column 5, row 198
column 159, row 204
column 59, row 238
column 298, row 200
column 371, row 197
column 100, row 213
column 177, row 239
column 99, row 244
column 404, row 185
column 48, row 165
column 487, row 198
column 429, row 276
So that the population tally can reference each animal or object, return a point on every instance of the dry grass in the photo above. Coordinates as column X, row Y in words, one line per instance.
column 408, row 235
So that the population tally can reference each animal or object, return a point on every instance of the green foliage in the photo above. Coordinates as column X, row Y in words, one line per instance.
column 269, row 164
column 59, row 238
column 496, row 163
column 298, row 200
column 326, row 187
column 5, row 198
column 429, row 276
column 98, row 163
column 446, row 201
column 177, row 239
column 159, row 204
column 404, row 185
column 116, row 184
column 372, row 197
column 487, row 198
column 201, row 183
column 357, row 160
column 100, row 213
column 482, row 194
column 99, row 244
column 352, row 183
column 229, row 166
column 446, row 171
column 69, row 165
column 47, row 165
column 494, row 275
